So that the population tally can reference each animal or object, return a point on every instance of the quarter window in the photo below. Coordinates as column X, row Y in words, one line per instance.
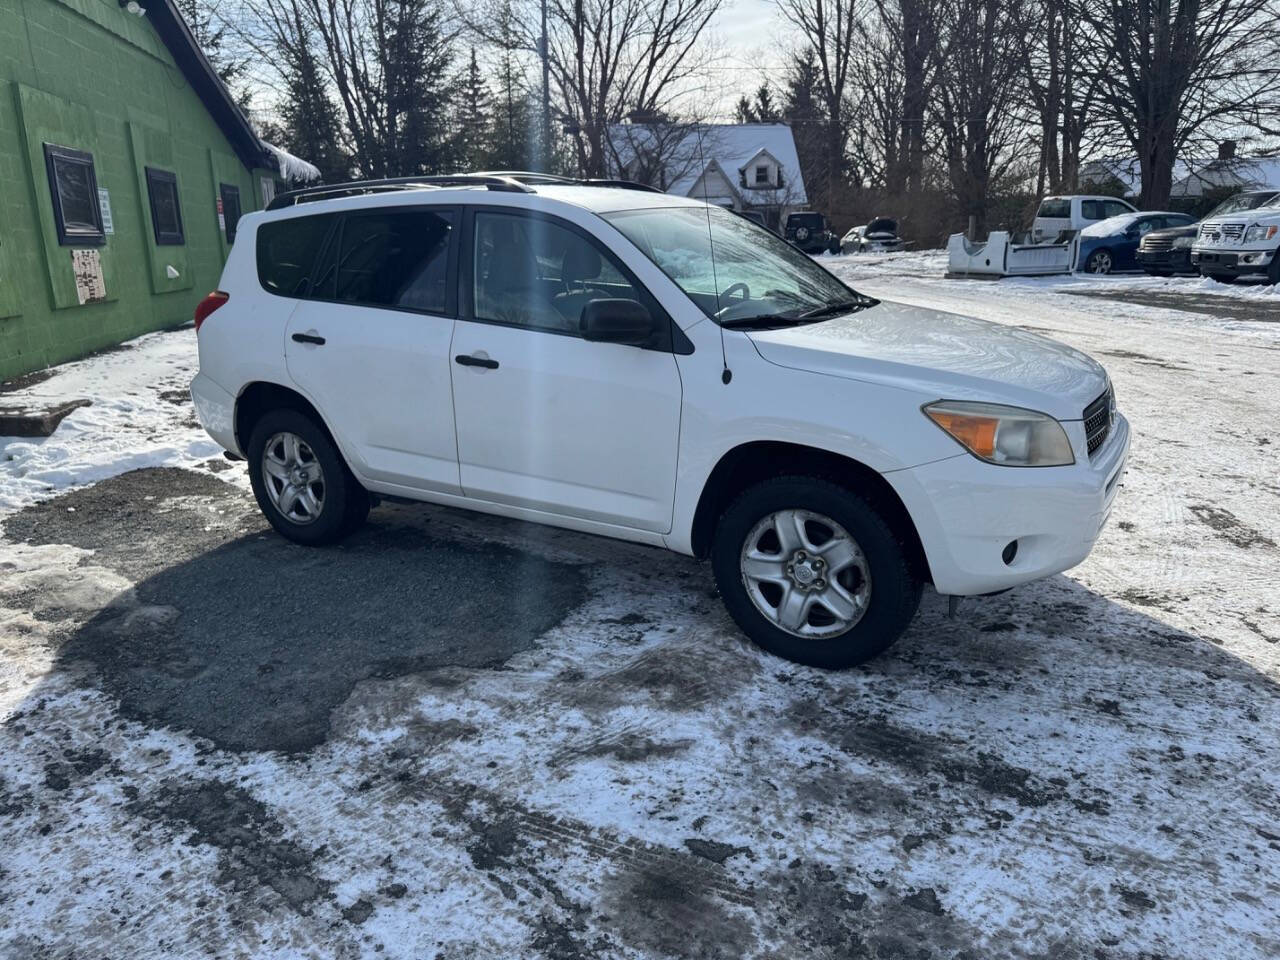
column 530, row 272
column 229, row 196
column 166, row 213
column 288, row 255
column 73, row 184
column 396, row 258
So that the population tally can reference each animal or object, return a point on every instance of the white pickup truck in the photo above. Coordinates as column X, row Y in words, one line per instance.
column 1240, row 243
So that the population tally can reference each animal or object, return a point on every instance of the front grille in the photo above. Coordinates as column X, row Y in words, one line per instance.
column 1232, row 231
column 1097, row 421
column 1150, row 244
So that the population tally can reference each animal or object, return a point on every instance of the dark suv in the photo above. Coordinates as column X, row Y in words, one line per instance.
column 809, row 232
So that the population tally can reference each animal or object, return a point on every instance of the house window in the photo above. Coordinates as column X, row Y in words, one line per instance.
column 762, row 174
column 166, row 214
column 229, row 209
column 74, row 186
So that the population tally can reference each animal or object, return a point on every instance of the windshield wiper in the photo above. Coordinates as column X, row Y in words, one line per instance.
column 760, row 321
column 843, row 306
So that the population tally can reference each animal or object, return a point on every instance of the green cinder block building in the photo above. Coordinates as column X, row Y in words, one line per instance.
column 124, row 166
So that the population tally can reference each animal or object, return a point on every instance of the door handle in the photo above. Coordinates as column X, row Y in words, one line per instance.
column 308, row 338
column 469, row 361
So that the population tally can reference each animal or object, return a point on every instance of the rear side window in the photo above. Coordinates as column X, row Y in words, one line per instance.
column 1055, row 208
column 397, row 258
column 1114, row 208
column 288, row 253
column 1093, row 210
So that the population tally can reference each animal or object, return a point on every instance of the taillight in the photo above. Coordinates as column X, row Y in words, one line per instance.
column 209, row 304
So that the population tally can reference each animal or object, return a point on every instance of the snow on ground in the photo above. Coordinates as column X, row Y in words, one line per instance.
column 140, row 416
column 462, row 737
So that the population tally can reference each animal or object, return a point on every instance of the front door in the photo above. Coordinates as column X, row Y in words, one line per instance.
column 371, row 344
column 547, row 420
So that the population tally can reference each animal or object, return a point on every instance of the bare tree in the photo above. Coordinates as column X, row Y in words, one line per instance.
column 830, row 28
column 610, row 59
column 1061, row 93
column 1172, row 73
column 978, row 90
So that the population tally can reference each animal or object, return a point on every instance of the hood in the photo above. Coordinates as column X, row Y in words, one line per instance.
column 944, row 356
column 1172, row 233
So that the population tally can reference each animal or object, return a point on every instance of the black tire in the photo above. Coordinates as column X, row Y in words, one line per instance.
column 896, row 586
column 1273, row 269
column 1227, row 278
column 1157, row 273
column 344, row 504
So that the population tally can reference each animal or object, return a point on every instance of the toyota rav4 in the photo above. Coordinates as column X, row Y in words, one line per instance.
column 650, row 368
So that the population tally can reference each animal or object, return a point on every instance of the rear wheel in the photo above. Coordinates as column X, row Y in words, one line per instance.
column 812, row 572
column 300, row 480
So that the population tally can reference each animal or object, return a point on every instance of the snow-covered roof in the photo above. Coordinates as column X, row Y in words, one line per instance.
column 291, row 167
column 1239, row 172
column 730, row 145
column 1127, row 171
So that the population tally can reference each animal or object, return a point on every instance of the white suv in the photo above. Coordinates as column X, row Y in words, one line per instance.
column 572, row 354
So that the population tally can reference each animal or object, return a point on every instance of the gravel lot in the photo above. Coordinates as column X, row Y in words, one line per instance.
column 463, row 737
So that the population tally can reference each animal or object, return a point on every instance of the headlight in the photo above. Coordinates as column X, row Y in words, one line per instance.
column 1181, row 243
column 1259, row 232
column 1009, row 436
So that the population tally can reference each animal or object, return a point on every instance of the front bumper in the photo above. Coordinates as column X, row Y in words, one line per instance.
column 216, row 410
column 1177, row 260
column 967, row 512
column 1235, row 263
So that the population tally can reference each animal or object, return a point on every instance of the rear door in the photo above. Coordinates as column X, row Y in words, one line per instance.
column 370, row 344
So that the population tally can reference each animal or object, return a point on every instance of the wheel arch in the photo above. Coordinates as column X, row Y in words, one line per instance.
column 263, row 396
column 750, row 463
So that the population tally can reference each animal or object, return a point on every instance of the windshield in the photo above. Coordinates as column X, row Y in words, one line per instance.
column 1245, row 201
column 755, row 274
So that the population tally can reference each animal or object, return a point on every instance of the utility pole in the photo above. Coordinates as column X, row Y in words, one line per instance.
column 544, row 154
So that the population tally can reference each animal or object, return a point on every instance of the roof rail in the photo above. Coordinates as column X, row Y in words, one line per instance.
column 533, row 179
column 359, row 187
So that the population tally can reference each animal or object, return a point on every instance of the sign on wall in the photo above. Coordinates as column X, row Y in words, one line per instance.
column 87, row 267
column 104, row 201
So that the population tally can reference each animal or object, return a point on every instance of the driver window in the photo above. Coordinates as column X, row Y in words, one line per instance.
column 530, row 272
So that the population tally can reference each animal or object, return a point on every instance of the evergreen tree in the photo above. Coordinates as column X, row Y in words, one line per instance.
column 760, row 110
column 415, row 60
column 802, row 110
column 211, row 37
column 514, row 136
column 472, row 112
column 310, row 125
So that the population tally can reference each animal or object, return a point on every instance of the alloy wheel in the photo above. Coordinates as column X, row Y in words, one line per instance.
column 805, row 574
column 293, row 478
column 1100, row 262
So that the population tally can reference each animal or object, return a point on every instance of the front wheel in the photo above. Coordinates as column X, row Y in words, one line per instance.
column 812, row 572
column 1099, row 262
column 1273, row 269
column 301, row 482
column 1220, row 277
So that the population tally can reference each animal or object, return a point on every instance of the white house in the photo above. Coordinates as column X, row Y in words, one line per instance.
column 1229, row 173
column 748, row 167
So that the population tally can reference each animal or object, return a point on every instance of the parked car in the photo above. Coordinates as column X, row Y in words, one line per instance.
column 878, row 236
column 1240, row 237
column 1071, row 214
column 1112, row 245
column 809, row 232
column 573, row 355
column 1162, row 253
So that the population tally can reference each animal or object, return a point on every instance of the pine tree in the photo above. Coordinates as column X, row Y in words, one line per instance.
column 210, row 35
column 311, row 127
column 472, row 110
column 415, row 65
column 513, row 138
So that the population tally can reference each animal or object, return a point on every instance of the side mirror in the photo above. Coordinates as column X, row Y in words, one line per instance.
column 617, row 321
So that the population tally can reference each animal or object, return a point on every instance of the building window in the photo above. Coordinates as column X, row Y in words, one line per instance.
column 166, row 215
column 762, row 174
column 229, row 209
column 77, row 212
